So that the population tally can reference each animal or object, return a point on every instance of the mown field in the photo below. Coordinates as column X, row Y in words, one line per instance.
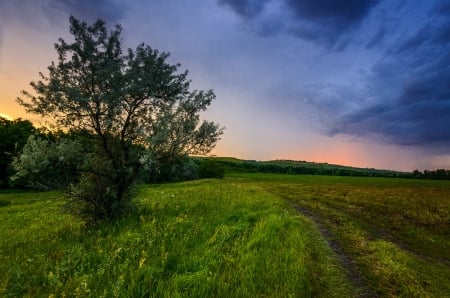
column 395, row 233
column 248, row 235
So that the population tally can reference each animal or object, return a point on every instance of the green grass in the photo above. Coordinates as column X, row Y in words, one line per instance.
column 208, row 238
column 236, row 237
column 396, row 230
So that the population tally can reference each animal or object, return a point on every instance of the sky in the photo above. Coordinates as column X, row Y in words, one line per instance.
column 359, row 83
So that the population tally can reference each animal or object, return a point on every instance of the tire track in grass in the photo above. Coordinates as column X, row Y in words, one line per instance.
column 381, row 233
column 347, row 263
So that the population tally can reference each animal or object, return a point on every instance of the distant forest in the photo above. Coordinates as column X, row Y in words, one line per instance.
column 312, row 168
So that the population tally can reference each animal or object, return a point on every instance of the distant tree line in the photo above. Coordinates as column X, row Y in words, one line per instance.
column 311, row 168
column 439, row 174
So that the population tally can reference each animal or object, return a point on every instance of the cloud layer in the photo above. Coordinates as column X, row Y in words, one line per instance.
column 34, row 12
column 410, row 86
column 321, row 21
column 403, row 94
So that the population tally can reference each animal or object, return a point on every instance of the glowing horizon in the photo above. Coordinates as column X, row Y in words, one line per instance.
column 6, row 116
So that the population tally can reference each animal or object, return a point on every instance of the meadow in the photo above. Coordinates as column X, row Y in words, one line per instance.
column 393, row 234
column 247, row 235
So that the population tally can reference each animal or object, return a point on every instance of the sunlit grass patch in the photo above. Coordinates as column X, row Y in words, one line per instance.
column 199, row 239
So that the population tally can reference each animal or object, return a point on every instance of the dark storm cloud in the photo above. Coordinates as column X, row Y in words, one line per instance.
column 326, row 20
column 321, row 21
column 245, row 8
column 109, row 10
column 252, row 11
column 442, row 8
column 377, row 38
column 417, row 109
column 340, row 13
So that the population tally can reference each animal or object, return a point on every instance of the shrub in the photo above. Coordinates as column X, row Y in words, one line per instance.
column 173, row 169
column 45, row 164
column 209, row 168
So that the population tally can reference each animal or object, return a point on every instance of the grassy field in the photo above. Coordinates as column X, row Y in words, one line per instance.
column 236, row 237
column 222, row 238
column 395, row 231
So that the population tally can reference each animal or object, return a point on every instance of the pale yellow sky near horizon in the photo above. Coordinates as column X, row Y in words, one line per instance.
column 23, row 54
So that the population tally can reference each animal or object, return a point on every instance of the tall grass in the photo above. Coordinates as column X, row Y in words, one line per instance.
column 208, row 238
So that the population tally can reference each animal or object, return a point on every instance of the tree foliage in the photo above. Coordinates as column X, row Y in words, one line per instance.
column 47, row 164
column 13, row 136
column 210, row 168
column 438, row 174
column 171, row 169
column 134, row 106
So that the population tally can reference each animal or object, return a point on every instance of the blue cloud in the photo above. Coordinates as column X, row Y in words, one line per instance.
column 108, row 10
column 320, row 21
column 416, row 110
column 32, row 12
column 245, row 8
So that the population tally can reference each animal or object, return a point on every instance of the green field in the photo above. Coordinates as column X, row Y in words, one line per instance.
column 248, row 235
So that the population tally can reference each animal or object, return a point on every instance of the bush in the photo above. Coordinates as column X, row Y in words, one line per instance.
column 190, row 170
column 45, row 164
column 173, row 169
column 13, row 136
column 209, row 168
column 93, row 199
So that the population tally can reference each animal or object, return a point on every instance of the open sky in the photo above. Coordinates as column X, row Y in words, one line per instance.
column 356, row 82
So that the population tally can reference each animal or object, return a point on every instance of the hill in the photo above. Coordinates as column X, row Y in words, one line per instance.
column 232, row 164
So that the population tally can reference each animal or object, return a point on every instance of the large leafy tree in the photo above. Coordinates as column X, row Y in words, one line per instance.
column 133, row 106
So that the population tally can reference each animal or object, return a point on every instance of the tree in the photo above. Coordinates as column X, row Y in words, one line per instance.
column 134, row 106
column 13, row 136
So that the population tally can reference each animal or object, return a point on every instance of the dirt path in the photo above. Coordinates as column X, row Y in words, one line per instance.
column 347, row 263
